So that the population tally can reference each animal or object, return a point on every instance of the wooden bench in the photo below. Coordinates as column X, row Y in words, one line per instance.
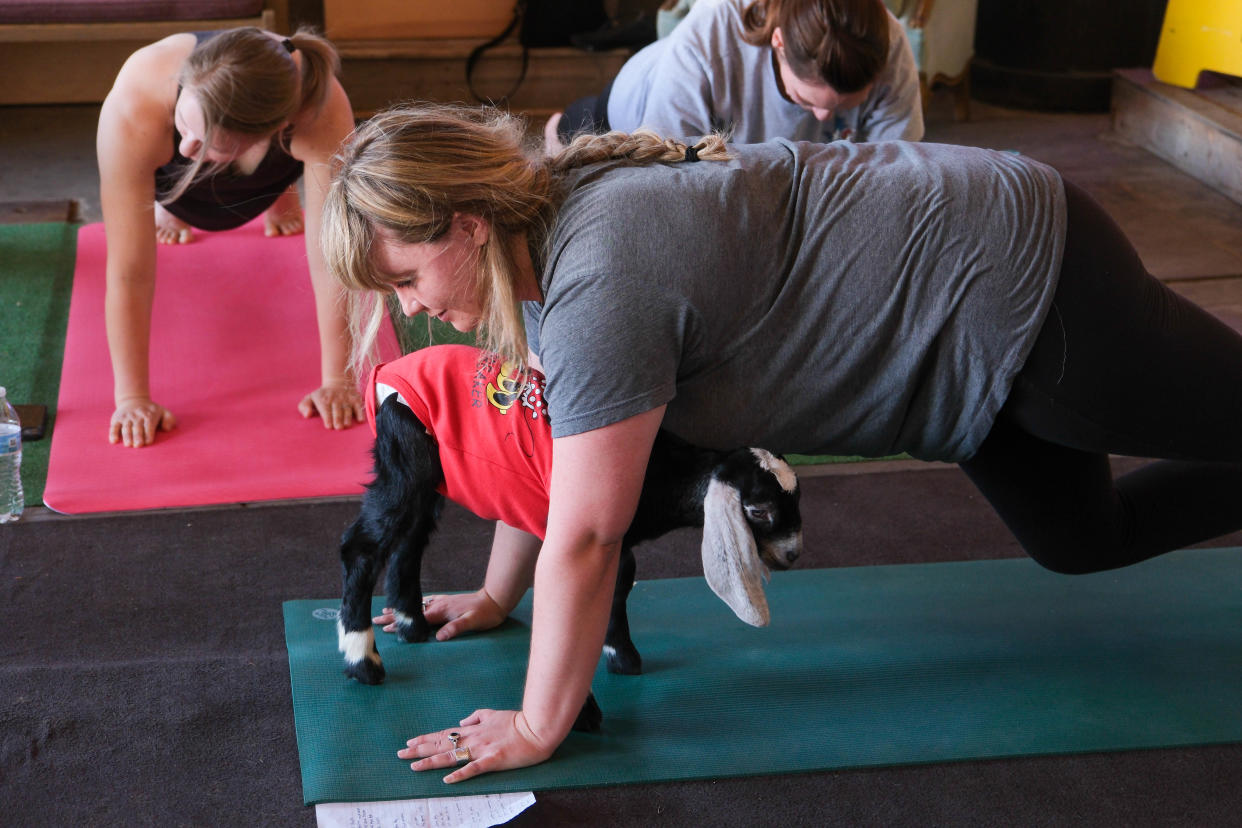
column 70, row 53
column 377, row 73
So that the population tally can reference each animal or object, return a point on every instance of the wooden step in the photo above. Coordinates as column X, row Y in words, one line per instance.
column 1198, row 131
column 377, row 73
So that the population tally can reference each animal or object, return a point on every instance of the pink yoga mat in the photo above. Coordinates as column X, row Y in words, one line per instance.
column 234, row 347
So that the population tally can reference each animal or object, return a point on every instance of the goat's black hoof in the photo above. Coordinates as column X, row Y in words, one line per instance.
column 414, row 632
column 366, row 671
column 623, row 660
column 590, row 717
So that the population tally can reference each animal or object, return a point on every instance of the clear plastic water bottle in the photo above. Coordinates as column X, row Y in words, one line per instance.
column 12, row 501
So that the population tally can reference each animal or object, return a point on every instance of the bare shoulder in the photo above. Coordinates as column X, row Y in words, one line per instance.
column 136, row 116
column 153, row 69
column 148, row 78
column 319, row 132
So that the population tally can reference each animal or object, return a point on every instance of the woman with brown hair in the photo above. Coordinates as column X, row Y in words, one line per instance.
column 209, row 130
column 955, row 303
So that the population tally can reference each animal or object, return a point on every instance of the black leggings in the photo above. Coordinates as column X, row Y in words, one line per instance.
column 585, row 115
column 1123, row 365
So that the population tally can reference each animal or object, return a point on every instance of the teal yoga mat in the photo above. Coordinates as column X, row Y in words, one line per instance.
column 865, row 666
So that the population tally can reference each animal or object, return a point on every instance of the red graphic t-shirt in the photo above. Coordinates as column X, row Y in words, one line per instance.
column 491, row 429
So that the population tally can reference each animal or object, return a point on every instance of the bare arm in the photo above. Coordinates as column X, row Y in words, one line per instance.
column 596, row 480
column 337, row 401
column 134, row 138
column 511, row 567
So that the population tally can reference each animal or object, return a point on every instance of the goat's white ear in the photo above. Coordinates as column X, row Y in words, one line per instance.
column 731, row 562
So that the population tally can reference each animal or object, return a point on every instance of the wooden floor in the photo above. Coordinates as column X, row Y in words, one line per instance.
column 1197, row 130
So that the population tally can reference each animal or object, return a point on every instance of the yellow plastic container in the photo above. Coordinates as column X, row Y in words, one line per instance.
column 1197, row 36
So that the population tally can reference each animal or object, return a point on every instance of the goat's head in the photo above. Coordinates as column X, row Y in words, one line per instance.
column 751, row 521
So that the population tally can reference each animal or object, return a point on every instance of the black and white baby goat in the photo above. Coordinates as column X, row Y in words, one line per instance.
column 746, row 500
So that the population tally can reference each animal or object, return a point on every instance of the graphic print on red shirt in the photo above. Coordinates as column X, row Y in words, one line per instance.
column 490, row 426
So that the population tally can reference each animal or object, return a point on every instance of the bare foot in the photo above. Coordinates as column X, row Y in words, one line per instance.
column 551, row 141
column 169, row 229
column 284, row 217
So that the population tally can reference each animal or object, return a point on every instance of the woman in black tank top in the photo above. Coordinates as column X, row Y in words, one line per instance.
column 211, row 130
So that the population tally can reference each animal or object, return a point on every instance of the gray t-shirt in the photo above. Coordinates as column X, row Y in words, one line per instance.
column 704, row 78
column 815, row 298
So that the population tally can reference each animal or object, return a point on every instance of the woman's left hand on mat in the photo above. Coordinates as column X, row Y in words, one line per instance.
column 339, row 406
column 455, row 614
column 496, row 740
column 462, row 613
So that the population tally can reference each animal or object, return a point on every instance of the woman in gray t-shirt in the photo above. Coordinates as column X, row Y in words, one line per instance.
column 956, row 303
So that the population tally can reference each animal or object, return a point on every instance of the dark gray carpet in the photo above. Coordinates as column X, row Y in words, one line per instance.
column 143, row 678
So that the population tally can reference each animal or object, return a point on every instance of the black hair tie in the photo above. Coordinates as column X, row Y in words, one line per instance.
column 288, row 44
column 692, row 153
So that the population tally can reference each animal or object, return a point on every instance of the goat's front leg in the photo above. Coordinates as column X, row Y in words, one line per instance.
column 409, row 463
column 619, row 650
column 404, row 585
column 360, row 566
column 399, row 512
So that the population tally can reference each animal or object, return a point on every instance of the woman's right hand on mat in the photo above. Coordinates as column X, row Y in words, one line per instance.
column 339, row 406
column 135, row 422
column 454, row 614
column 485, row 741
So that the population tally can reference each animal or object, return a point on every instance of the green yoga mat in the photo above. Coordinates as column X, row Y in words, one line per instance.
column 860, row 667
column 36, row 278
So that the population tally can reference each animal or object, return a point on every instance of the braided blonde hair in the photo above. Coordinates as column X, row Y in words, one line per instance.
column 642, row 146
column 411, row 168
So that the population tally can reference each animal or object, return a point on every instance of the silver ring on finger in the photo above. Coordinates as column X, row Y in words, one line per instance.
column 462, row 755
column 453, row 737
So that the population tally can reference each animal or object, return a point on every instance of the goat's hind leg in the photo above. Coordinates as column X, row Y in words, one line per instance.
column 360, row 564
column 590, row 717
column 620, row 653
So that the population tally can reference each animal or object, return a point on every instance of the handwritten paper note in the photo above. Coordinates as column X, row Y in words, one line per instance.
column 441, row 812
